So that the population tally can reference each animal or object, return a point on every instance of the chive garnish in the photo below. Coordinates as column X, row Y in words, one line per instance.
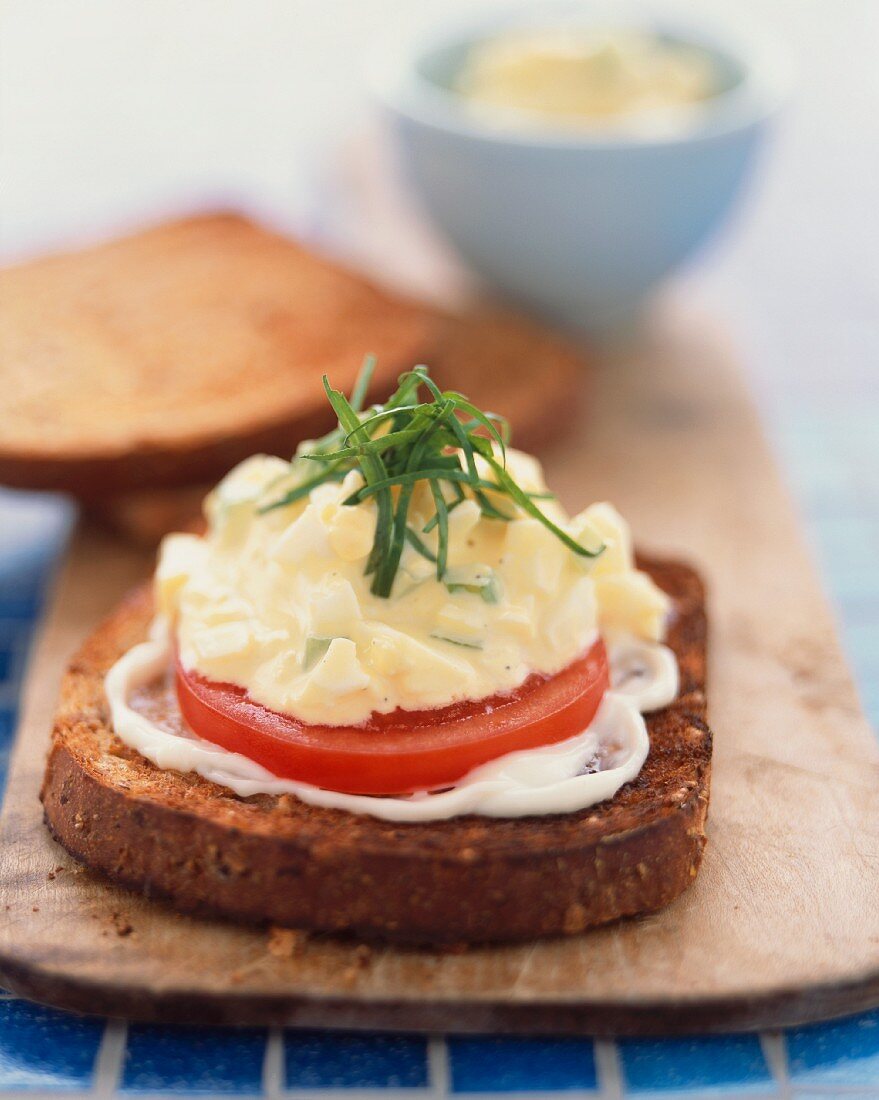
column 405, row 441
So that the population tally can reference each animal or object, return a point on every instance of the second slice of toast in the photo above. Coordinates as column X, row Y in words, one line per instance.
column 170, row 355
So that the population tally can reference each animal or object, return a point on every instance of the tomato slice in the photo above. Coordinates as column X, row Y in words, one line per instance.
column 404, row 751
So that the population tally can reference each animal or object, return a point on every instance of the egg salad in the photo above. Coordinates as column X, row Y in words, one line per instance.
column 279, row 603
column 402, row 621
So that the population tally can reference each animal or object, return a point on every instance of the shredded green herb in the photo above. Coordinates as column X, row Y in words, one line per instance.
column 408, row 440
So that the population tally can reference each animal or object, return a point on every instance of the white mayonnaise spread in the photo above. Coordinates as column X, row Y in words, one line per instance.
column 561, row 778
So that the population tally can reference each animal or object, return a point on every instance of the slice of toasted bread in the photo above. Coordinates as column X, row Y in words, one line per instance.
column 507, row 362
column 168, row 356
column 470, row 879
column 498, row 358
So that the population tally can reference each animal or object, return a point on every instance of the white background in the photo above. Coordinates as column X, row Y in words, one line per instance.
column 112, row 111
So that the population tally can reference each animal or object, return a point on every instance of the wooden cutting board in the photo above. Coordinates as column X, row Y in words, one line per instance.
column 782, row 924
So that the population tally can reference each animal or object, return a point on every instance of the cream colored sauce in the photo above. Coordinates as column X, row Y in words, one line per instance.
column 582, row 79
column 562, row 778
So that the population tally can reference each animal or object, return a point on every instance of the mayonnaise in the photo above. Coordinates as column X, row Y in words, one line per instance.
column 585, row 79
column 561, row 778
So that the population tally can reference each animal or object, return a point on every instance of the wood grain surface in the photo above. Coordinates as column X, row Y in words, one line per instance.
column 782, row 924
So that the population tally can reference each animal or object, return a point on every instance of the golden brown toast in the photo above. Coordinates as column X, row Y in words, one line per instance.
column 494, row 356
column 163, row 358
column 470, row 879
column 167, row 356
column 509, row 363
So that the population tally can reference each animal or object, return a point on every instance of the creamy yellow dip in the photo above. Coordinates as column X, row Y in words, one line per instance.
column 585, row 79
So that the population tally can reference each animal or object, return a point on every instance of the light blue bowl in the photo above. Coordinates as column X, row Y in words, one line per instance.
column 582, row 227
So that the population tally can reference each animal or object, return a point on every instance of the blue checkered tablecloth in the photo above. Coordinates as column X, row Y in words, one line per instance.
column 831, row 454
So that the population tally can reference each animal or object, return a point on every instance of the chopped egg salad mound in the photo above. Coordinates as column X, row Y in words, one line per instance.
column 278, row 602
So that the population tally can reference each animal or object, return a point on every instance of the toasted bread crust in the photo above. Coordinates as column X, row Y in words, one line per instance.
column 484, row 352
column 166, row 357
column 470, row 879
column 163, row 358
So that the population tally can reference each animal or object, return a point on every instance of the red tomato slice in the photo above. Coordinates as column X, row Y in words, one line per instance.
column 403, row 751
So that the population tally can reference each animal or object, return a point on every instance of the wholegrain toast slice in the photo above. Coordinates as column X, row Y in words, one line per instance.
column 168, row 356
column 470, row 879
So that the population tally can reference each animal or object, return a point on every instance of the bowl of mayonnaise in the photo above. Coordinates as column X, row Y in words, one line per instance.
column 576, row 155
